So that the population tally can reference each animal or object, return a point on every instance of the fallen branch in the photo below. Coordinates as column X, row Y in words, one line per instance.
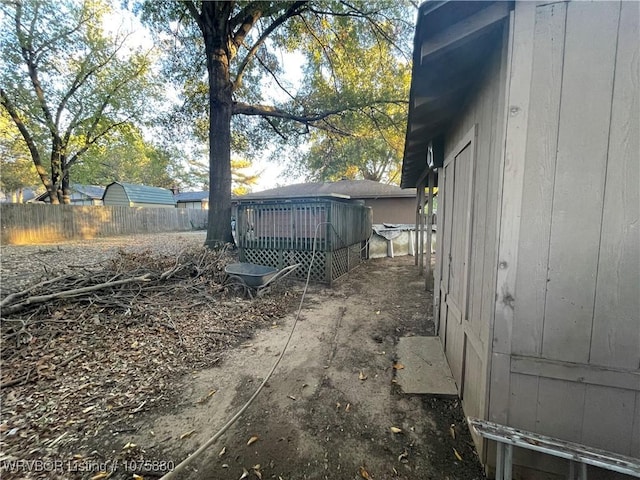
column 69, row 293
column 11, row 297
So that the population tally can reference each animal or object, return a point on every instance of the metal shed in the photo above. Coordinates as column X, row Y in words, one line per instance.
column 132, row 195
column 282, row 232
column 529, row 114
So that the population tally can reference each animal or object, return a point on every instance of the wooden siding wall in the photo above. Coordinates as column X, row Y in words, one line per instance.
column 393, row 210
column 467, row 340
column 35, row 223
column 115, row 195
column 567, row 338
column 152, row 205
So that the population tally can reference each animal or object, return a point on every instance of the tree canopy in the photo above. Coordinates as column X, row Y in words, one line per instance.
column 230, row 54
column 67, row 84
column 17, row 171
column 125, row 156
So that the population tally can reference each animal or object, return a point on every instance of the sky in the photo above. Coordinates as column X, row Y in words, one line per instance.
column 271, row 174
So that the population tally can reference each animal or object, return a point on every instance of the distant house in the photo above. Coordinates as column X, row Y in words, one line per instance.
column 193, row 200
column 80, row 195
column 131, row 195
column 390, row 204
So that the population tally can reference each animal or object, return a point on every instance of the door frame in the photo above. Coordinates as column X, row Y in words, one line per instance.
column 469, row 140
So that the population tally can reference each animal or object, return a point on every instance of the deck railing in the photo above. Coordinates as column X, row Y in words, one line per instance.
column 295, row 225
column 279, row 233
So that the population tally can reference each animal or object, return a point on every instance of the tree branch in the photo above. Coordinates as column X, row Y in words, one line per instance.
column 81, row 78
column 324, row 50
column 250, row 15
column 193, row 11
column 29, row 57
column 241, row 108
column 6, row 310
column 88, row 143
column 275, row 128
column 29, row 140
column 275, row 78
column 376, row 27
column 61, row 35
column 295, row 9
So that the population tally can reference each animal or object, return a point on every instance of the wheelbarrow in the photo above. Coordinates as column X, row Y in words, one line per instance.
column 252, row 280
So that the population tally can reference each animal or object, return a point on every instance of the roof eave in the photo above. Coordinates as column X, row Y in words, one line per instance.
column 451, row 41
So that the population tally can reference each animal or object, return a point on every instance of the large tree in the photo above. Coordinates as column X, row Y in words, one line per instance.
column 66, row 83
column 239, row 44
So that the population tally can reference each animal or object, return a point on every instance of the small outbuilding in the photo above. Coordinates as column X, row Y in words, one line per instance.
column 132, row 195
column 528, row 112
column 80, row 195
column 192, row 200
column 327, row 232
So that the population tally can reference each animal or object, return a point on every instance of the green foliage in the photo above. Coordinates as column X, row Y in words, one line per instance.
column 346, row 63
column 66, row 83
column 123, row 155
column 242, row 181
column 226, row 61
column 17, row 171
column 356, row 63
column 16, row 175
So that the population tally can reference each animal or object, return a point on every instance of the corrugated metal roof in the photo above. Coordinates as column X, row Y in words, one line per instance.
column 146, row 194
column 92, row 191
column 346, row 188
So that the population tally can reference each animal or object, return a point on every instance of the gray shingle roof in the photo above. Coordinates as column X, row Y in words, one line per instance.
column 352, row 188
column 78, row 192
column 191, row 196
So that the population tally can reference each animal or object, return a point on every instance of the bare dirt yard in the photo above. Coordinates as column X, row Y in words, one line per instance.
column 128, row 376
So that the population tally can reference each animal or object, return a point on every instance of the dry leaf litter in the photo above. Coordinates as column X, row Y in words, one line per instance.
column 86, row 348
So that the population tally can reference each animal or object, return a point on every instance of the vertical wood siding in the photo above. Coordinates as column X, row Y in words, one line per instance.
column 116, row 196
column 553, row 300
column 468, row 216
column 575, row 345
column 581, row 161
column 579, row 267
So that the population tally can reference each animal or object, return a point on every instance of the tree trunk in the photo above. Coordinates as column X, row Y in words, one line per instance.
column 55, row 191
column 66, row 190
column 220, row 109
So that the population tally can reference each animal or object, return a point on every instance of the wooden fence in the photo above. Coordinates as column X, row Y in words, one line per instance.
column 37, row 223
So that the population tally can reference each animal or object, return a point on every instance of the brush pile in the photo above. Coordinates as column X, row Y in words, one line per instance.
column 92, row 346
